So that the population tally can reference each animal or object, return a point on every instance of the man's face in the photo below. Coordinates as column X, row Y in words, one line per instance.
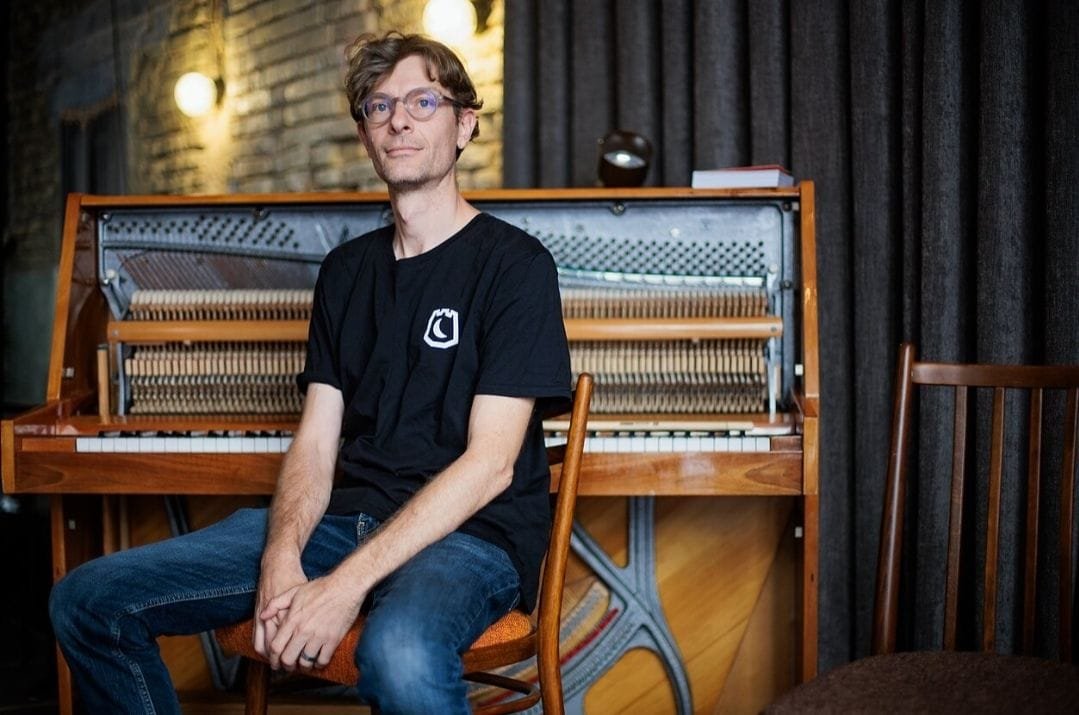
column 408, row 153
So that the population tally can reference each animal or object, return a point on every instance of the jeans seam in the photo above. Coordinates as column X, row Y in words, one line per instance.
column 194, row 596
column 133, row 666
column 490, row 596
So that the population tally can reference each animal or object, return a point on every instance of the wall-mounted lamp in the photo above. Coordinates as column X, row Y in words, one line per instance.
column 455, row 21
column 624, row 158
column 196, row 94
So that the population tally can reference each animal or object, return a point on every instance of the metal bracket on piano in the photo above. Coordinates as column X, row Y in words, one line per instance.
column 638, row 621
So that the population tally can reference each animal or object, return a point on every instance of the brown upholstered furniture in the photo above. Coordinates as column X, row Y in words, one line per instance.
column 983, row 680
column 512, row 639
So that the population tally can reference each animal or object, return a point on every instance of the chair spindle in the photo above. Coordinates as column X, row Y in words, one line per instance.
column 1034, row 471
column 1067, row 522
column 955, row 516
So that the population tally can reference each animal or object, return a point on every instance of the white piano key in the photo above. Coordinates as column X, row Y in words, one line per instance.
column 608, row 445
column 680, row 444
column 693, row 444
column 158, row 445
column 261, row 445
column 664, row 444
column 764, row 444
column 623, row 444
column 108, row 444
column 637, row 443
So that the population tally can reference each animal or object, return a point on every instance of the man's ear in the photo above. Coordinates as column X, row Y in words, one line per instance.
column 466, row 123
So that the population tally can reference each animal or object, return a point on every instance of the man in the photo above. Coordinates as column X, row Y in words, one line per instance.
column 433, row 345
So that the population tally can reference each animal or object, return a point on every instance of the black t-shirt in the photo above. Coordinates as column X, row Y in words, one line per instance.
column 409, row 343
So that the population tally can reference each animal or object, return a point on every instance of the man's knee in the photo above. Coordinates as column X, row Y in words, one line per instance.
column 400, row 664
column 76, row 600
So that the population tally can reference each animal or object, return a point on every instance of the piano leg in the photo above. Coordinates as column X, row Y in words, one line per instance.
column 808, row 565
column 77, row 526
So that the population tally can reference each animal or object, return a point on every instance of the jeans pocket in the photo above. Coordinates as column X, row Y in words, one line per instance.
column 366, row 525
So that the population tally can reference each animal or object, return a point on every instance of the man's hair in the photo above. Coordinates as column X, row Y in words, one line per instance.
column 371, row 57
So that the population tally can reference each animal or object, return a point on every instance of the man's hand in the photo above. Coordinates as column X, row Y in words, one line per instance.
column 276, row 580
column 313, row 619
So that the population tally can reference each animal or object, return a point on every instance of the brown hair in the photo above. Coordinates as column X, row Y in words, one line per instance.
column 371, row 57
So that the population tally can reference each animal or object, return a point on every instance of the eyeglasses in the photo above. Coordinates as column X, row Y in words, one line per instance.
column 421, row 104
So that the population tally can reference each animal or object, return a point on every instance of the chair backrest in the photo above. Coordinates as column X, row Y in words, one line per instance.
column 964, row 378
column 554, row 571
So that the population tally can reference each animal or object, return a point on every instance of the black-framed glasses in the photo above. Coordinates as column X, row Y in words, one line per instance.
column 421, row 104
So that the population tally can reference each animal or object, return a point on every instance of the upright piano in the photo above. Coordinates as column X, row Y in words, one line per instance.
column 180, row 324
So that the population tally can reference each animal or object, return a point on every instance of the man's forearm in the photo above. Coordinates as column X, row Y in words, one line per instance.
column 300, row 499
column 306, row 478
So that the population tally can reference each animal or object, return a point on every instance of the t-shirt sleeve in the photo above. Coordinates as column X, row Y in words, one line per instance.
column 322, row 364
column 524, row 351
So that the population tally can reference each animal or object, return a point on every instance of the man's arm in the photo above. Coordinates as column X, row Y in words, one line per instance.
column 321, row 611
column 299, row 502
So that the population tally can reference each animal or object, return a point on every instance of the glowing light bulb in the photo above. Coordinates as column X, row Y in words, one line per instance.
column 195, row 94
column 452, row 21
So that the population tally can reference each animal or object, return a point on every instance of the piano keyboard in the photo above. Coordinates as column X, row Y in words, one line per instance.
column 185, row 445
column 644, row 444
column 629, row 444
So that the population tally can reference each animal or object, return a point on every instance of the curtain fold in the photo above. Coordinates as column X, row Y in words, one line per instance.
column 942, row 138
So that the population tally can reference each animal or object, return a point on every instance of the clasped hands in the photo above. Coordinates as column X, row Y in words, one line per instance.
column 303, row 624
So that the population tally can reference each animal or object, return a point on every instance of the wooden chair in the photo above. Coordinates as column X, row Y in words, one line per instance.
column 981, row 680
column 512, row 639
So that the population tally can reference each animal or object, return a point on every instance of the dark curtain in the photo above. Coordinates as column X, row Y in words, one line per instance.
column 942, row 139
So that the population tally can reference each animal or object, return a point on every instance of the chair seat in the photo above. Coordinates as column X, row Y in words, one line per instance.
column 939, row 681
column 239, row 639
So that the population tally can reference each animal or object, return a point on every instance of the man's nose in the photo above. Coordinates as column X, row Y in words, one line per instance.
column 399, row 116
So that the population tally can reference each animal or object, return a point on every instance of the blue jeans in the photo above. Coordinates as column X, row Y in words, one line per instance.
column 108, row 612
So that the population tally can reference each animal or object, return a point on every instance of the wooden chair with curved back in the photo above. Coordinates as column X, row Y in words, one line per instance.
column 979, row 680
column 514, row 638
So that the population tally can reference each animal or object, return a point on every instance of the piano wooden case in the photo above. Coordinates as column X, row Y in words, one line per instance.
column 695, row 309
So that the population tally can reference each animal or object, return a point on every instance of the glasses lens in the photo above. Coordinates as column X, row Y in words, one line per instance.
column 377, row 108
column 421, row 103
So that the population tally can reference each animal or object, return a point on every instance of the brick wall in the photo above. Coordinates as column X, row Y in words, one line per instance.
column 282, row 123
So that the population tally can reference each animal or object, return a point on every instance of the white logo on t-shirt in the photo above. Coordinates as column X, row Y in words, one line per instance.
column 441, row 328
